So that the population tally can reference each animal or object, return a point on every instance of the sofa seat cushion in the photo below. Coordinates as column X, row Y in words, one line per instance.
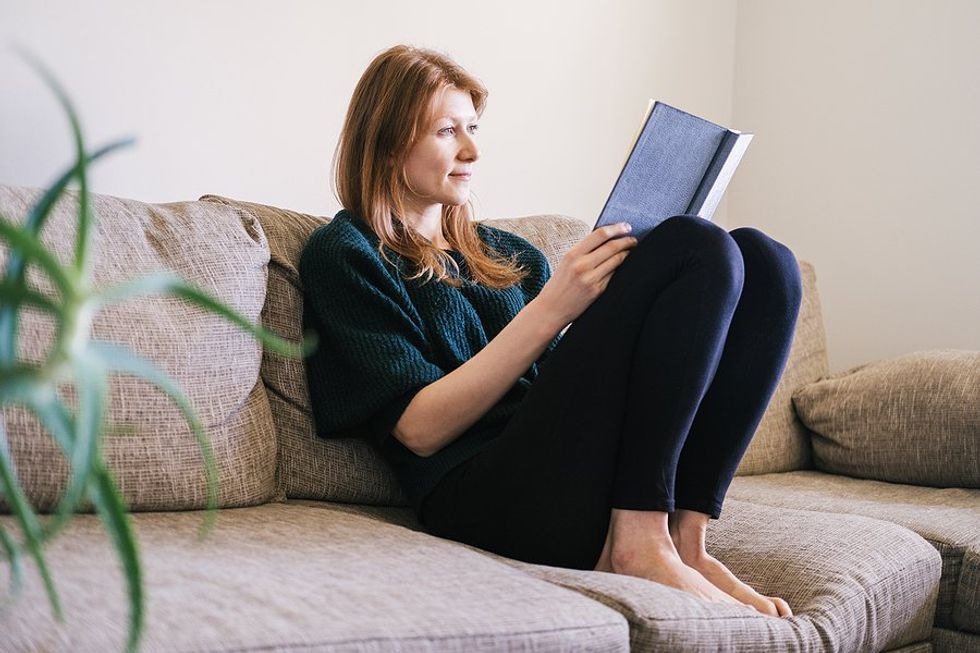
column 152, row 453
column 948, row 518
column 855, row 584
column 297, row 578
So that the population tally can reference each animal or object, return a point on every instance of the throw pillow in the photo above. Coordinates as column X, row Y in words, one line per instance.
column 913, row 419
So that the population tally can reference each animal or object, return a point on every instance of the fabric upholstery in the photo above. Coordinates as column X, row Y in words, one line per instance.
column 948, row 518
column 152, row 453
column 912, row 419
column 317, row 469
column 298, row 578
column 954, row 641
column 855, row 584
column 921, row 647
column 384, row 338
column 305, row 575
column 347, row 469
column 782, row 443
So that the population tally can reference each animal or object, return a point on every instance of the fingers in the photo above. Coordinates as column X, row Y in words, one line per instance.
column 608, row 266
column 610, row 256
column 599, row 236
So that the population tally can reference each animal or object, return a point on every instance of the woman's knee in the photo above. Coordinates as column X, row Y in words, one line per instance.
column 701, row 231
column 700, row 234
column 760, row 249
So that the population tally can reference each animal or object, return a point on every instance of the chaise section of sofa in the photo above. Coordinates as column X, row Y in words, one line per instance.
column 948, row 518
column 898, row 440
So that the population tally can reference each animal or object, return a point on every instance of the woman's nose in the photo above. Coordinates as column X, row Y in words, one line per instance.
column 470, row 151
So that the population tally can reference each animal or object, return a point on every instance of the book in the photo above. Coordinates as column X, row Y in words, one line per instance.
column 678, row 163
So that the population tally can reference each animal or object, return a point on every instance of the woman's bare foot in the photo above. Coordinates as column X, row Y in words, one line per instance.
column 652, row 545
column 666, row 567
column 721, row 577
column 687, row 531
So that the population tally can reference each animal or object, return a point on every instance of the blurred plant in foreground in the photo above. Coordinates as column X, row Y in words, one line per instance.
column 84, row 364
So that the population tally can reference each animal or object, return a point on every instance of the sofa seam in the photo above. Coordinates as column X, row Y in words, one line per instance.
column 464, row 636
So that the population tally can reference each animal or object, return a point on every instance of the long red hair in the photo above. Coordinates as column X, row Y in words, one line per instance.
column 390, row 107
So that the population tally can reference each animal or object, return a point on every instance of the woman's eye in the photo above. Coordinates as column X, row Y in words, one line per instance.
column 473, row 129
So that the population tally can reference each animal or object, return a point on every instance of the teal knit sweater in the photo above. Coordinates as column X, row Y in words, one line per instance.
column 382, row 339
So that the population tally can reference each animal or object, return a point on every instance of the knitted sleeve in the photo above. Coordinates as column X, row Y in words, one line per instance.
column 539, row 273
column 373, row 355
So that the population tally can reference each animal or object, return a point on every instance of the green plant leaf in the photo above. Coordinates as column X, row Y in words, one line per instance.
column 25, row 386
column 79, row 435
column 116, row 358
column 26, row 519
column 15, row 294
column 58, row 421
column 17, row 381
column 168, row 282
column 40, row 211
column 29, row 244
column 16, row 264
column 112, row 511
column 86, row 217
column 92, row 388
column 16, row 566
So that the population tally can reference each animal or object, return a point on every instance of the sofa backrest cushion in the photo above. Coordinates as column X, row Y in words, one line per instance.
column 308, row 467
column 150, row 450
column 912, row 419
column 352, row 471
column 347, row 470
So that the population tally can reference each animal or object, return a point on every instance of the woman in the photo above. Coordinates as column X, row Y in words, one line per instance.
column 608, row 446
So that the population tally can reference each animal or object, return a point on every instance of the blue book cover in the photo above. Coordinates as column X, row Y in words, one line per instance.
column 679, row 163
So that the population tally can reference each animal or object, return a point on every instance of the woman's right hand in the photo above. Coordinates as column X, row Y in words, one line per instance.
column 584, row 272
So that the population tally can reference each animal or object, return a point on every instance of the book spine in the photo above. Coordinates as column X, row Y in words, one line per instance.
column 711, row 175
column 725, row 175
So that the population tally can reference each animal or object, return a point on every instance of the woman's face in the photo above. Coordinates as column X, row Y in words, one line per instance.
column 439, row 163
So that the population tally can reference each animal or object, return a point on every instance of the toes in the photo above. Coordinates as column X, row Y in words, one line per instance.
column 782, row 606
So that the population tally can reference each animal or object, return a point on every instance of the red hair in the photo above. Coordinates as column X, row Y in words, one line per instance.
column 391, row 106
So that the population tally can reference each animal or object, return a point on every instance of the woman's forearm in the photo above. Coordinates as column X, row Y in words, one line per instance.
column 444, row 409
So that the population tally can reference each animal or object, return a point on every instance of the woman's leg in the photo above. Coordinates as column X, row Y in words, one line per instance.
column 544, row 490
column 752, row 363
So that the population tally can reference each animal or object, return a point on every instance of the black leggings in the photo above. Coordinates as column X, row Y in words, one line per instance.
column 648, row 401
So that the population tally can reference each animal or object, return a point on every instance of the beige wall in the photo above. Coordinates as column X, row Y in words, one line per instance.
column 247, row 98
column 866, row 162
column 865, row 154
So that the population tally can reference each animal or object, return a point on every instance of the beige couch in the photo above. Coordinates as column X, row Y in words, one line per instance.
column 316, row 549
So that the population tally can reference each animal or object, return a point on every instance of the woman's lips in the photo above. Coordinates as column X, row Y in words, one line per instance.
column 462, row 176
